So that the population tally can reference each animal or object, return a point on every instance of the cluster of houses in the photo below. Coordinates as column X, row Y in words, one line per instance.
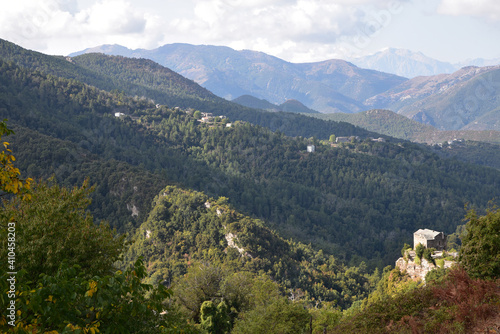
column 350, row 139
column 207, row 117
column 356, row 138
column 451, row 142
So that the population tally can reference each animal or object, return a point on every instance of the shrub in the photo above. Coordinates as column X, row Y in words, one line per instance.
column 454, row 305
column 480, row 250
column 419, row 250
column 405, row 248
column 428, row 256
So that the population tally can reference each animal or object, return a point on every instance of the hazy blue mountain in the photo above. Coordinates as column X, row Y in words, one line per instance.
column 288, row 106
column 109, row 49
column 329, row 86
column 445, row 101
column 465, row 99
column 253, row 102
column 296, row 106
column 478, row 62
column 410, row 64
column 405, row 63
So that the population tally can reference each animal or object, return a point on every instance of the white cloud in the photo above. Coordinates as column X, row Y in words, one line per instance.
column 283, row 27
column 489, row 9
column 291, row 29
column 58, row 25
column 110, row 17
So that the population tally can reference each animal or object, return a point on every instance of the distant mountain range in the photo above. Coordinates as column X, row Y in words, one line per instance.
column 465, row 99
column 404, row 63
column 411, row 64
column 328, row 86
column 288, row 106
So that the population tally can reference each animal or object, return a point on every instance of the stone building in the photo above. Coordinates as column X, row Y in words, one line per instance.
column 429, row 239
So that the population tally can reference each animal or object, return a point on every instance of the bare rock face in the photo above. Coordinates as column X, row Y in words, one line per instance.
column 418, row 269
column 231, row 238
column 133, row 208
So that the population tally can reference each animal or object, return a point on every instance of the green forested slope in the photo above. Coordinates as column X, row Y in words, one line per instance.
column 385, row 122
column 186, row 227
column 479, row 153
column 361, row 199
column 122, row 194
column 148, row 75
column 391, row 124
column 146, row 79
column 165, row 87
column 335, row 193
column 478, row 147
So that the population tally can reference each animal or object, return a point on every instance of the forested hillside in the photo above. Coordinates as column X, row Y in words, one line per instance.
column 478, row 147
column 398, row 126
column 186, row 227
column 123, row 192
column 327, row 86
column 299, row 192
column 480, row 153
column 386, row 122
column 160, row 85
column 375, row 192
column 241, row 225
column 143, row 78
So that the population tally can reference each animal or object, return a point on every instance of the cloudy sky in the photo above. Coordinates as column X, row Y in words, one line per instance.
column 294, row 30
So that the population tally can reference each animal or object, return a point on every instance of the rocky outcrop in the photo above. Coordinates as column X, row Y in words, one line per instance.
column 131, row 207
column 417, row 269
column 231, row 238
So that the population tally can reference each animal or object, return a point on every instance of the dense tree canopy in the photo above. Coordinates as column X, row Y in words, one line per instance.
column 377, row 192
column 54, row 226
column 480, row 251
column 10, row 180
column 68, row 302
column 187, row 229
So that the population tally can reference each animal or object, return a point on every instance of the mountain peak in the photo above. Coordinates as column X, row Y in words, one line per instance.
column 401, row 52
column 110, row 49
column 404, row 62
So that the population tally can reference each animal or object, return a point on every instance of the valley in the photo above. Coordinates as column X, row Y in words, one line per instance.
column 220, row 222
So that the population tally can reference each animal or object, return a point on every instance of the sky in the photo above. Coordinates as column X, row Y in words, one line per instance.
column 294, row 30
